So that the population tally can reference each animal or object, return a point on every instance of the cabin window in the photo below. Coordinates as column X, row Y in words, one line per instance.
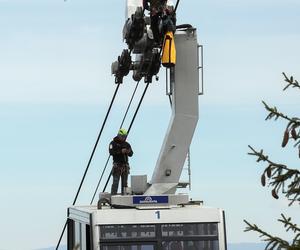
column 128, row 247
column 78, row 236
column 190, row 245
column 176, row 236
column 88, row 237
column 203, row 229
column 127, row 231
column 83, row 237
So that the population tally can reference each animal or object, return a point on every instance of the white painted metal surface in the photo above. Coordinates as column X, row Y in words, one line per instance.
column 173, row 215
column 222, row 231
column 171, row 159
column 184, row 116
column 150, row 201
column 186, row 214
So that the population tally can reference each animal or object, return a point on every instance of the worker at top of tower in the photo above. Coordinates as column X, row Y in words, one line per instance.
column 120, row 150
column 163, row 18
column 155, row 5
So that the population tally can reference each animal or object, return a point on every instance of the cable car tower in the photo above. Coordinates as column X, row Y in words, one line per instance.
column 151, row 215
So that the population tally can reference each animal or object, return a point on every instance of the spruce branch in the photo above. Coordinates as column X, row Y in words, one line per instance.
column 274, row 113
column 292, row 130
column 276, row 242
column 291, row 82
column 273, row 241
column 288, row 224
column 280, row 177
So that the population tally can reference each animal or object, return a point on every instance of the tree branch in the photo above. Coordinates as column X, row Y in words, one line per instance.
column 288, row 224
column 292, row 130
column 291, row 82
column 274, row 113
column 273, row 241
column 280, row 177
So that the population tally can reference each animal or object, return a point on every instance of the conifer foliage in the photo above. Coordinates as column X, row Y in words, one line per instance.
column 282, row 179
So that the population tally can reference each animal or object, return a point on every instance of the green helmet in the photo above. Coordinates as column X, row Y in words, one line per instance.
column 122, row 132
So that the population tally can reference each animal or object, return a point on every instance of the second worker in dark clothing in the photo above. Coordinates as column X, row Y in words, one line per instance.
column 120, row 150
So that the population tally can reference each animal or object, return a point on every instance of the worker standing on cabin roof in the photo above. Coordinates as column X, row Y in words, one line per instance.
column 120, row 150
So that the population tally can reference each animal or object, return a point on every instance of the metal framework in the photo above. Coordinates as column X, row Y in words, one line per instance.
column 156, row 218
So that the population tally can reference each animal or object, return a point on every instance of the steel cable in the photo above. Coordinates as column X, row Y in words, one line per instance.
column 97, row 141
column 108, row 158
column 178, row 1
column 90, row 160
column 130, row 126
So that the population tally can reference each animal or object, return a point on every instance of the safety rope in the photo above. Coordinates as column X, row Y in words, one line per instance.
column 90, row 160
column 130, row 126
column 108, row 158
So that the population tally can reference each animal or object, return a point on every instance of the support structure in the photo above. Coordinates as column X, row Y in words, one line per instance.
column 152, row 216
column 185, row 89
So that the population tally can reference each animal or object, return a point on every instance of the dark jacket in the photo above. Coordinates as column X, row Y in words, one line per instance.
column 115, row 149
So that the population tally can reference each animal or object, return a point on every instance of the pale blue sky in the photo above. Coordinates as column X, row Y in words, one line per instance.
column 55, row 83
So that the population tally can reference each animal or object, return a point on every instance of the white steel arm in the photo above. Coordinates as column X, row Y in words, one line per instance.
column 184, row 118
